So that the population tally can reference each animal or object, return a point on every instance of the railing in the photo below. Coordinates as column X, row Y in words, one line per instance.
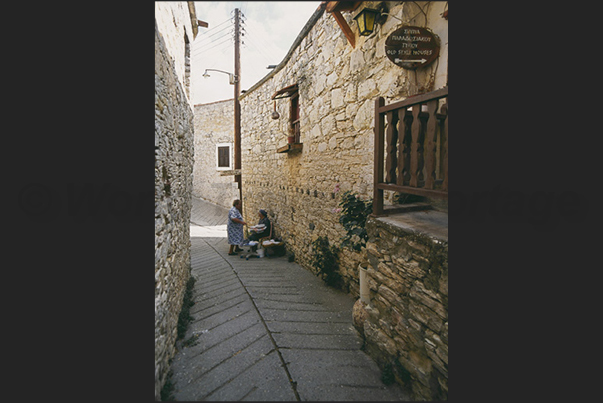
column 411, row 147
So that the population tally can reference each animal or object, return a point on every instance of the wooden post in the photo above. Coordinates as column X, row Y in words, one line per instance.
column 379, row 155
column 237, row 105
column 347, row 31
column 445, row 182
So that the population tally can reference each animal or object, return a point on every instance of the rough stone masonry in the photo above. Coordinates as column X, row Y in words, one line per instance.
column 173, row 187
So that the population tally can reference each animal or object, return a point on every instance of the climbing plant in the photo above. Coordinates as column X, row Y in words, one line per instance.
column 354, row 213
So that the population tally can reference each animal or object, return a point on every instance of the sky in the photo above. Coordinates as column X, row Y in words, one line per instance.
column 269, row 30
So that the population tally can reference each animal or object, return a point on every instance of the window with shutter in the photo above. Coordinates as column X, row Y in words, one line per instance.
column 223, row 156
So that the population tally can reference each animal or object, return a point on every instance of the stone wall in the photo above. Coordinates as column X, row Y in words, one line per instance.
column 173, row 20
column 214, row 124
column 173, row 187
column 404, row 316
column 338, row 85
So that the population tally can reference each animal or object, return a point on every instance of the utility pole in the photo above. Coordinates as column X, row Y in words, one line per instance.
column 237, row 106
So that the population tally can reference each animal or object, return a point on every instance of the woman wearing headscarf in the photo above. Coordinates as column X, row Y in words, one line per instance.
column 263, row 221
column 234, row 227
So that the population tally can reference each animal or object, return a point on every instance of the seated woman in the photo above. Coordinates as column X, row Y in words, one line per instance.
column 257, row 235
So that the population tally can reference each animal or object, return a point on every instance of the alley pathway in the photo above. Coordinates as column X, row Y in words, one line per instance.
column 267, row 329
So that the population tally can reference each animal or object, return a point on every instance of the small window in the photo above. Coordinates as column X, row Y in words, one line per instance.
column 223, row 156
column 292, row 92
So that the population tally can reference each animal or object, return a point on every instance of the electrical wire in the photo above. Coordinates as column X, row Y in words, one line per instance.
column 217, row 44
column 254, row 39
column 216, row 57
column 215, row 33
column 260, row 52
column 213, row 40
column 211, row 30
column 209, row 45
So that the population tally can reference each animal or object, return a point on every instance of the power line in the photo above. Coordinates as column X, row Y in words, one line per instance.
column 208, row 46
column 252, row 39
column 217, row 44
column 224, row 48
column 214, row 34
column 259, row 52
column 212, row 29
column 222, row 53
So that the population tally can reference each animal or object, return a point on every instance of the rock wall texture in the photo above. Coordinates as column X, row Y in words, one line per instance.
column 174, row 22
column 214, row 124
column 337, row 87
column 173, row 187
column 405, row 322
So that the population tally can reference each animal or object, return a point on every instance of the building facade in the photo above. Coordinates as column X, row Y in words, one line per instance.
column 175, row 29
column 214, row 153
column 324, row 92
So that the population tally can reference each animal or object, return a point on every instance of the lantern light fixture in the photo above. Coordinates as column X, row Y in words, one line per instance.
column 366, row 21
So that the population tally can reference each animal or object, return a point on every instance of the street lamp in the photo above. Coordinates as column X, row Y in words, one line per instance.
column 232, row 79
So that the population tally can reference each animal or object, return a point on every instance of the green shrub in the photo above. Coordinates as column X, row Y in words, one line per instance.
column 354, row 213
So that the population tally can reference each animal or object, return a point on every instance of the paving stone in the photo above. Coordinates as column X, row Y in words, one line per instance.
column 259, row 321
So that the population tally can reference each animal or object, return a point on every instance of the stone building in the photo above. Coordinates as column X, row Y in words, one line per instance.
column 214, row 153
column 175, row 28
column 325, row 93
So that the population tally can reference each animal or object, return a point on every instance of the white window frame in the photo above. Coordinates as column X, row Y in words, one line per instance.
column 230, row 156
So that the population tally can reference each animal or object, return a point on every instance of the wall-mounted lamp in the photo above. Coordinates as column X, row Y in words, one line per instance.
column 366, row 21
column 232, row 79
column 369, row 17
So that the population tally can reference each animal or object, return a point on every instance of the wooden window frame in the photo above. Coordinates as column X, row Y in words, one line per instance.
column 230, row 156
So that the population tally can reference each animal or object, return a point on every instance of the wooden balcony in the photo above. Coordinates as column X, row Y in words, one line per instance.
column 411, row 147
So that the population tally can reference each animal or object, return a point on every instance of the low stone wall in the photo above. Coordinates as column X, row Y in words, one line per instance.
column 405, row 318
column 173, row 186
column 214, row 124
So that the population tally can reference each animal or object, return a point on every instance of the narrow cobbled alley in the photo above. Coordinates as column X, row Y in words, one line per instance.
column 267, row 329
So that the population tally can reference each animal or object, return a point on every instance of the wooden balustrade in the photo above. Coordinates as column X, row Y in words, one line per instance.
column 411, row 147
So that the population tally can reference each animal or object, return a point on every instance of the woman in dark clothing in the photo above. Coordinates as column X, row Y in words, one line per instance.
column 255, row 236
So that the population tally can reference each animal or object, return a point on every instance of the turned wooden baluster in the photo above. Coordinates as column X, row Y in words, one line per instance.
column 415, row 145
column 403, row 154
column 445, row 111
column 430, row 144
column 392, row 147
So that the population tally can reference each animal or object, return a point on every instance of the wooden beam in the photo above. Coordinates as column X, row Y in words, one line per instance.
column 341, row 6
column 343, row 24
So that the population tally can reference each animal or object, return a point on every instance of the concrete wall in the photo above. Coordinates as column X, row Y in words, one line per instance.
column 214, row 124
column 173, row 184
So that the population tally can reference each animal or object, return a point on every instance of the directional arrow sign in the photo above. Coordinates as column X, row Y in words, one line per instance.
column 410, row 61
column 410, row 47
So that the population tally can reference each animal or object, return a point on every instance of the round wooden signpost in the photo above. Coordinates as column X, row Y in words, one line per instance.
column 410, row 47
